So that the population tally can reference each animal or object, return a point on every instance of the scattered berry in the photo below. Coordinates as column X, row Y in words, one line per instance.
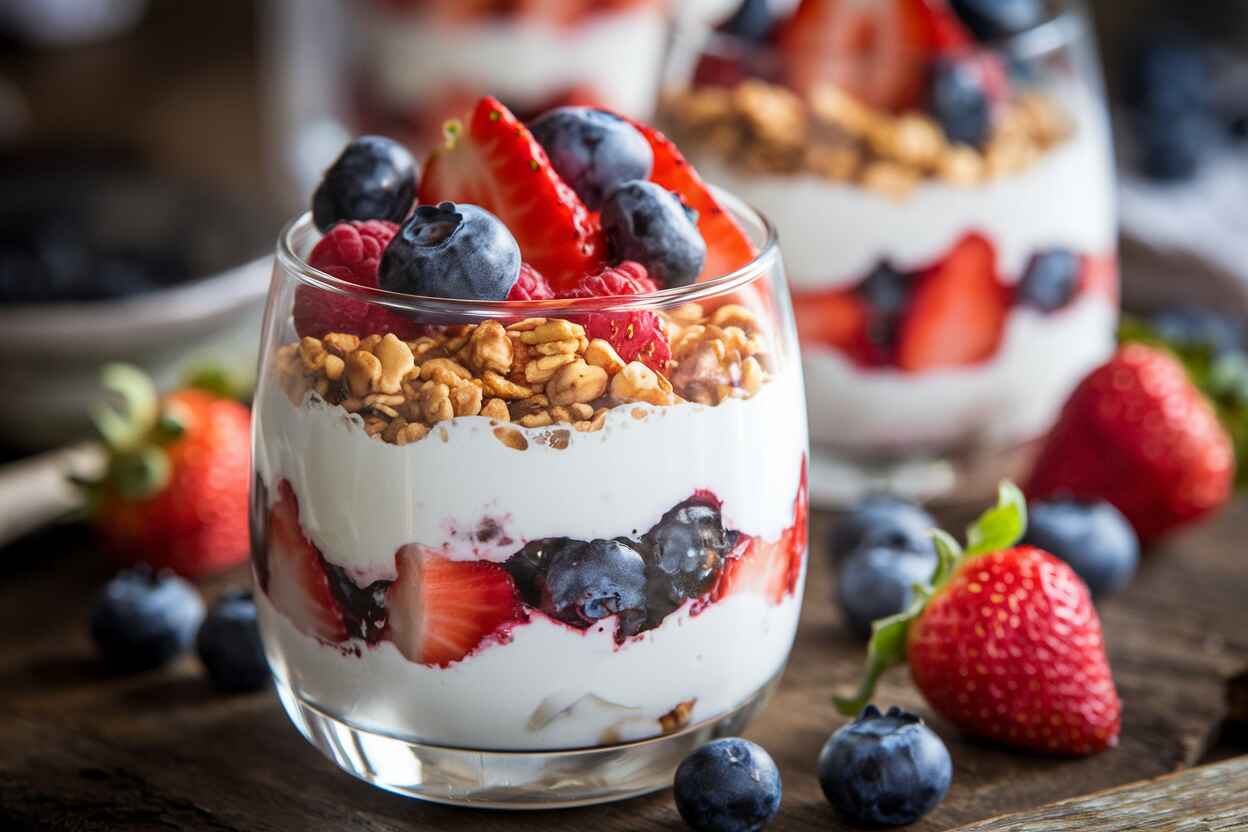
column 592, row 150
column 292, row 574
column 374, row 178
column 530, row 285
column 1094, row 538
column 874, row 582
column 884, row 769
column 728, row 785
column 229, row 645
column 452, row 251
column 992, row 19
column 1193, row 327
column 647, row 223
column 628, row 278
column 959, row 101
column 586, row 582
column 883, row 520
column 752, row 21
column 687, row 550
column 1051, row 279
column 142, row 620
column 1137, row 433
column 636, row 336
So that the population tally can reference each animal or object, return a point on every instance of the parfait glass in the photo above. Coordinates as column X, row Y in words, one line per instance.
column 498, row 565
column 953, row 276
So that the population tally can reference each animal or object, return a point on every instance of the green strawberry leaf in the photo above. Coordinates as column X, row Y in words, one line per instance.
column 949, row 552
column 1001, row 526
column 125, row 429
column 886, row 649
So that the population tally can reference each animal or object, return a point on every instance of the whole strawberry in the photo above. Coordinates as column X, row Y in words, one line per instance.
column 1137, row 433
column 174, row 494
column 1004, row 643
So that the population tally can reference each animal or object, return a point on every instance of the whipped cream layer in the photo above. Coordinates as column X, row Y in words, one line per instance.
column 833, row 234
column 361, row 499
column 551, row 686
column 414, row 58
column 1011, row 398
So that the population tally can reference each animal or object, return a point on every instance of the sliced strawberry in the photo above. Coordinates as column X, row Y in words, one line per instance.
column 297, row 585
column 770, row 569
column 531, row 285
column 836, row 319
column 441, row 610
column 1100, row 276
column 958, row 313
column 628, row 278
column 494, row 161
column 728, row 248
column 636, row 336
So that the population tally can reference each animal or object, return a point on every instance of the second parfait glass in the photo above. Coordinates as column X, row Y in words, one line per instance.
column 500, row 566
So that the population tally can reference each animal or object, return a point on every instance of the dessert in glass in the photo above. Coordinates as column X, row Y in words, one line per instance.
column 942, row 182
column 529, row 514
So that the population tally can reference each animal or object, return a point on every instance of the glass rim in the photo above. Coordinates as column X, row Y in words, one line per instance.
column 761, row 265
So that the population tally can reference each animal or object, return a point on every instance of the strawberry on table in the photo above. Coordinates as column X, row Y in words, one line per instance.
column 174, row 494
column 1138, row 434
column 293, row 575
column 1004, row 643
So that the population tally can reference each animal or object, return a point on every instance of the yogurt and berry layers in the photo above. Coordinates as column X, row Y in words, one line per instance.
column 558, row 500
column 946, row 204
column 417, row 63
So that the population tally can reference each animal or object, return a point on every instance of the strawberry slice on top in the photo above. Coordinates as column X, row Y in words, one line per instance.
column 295, row 578
column 493, row 161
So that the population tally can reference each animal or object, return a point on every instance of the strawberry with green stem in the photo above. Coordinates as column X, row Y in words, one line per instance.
column 1003, row 642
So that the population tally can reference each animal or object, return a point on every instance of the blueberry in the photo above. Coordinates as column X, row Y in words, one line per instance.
column 884, row 769
column 229, row 645
column 528, row 566
column 883, row 520
column 1093, row 537
column 593, row 150
column 887, row 293
column 646, row 223
column 687, row 550
column 1050, row 280
column 586, row 582
column 1170, row 74
column 753, row 21
column 452, row 251
column 1172, row 146
column 728, row 785
column 363, row 607
column 959, row 101
column 1190, row 327
column 992, row 19
column 141, row 620
column 374, row 178
column 875, row 582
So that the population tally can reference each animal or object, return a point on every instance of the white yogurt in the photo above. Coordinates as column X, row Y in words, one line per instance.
column 413, row 58
column 361, row 499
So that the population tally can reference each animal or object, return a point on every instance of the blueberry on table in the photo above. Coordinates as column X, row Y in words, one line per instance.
column 586, row 582
column 883, row 520
column 142, row 620
column 875, row 582
column 958, row 100
column 648, row 224
column 728, row 785
column 1190, row 327
column 452, row 251
column 1093, row 537
column 992, row 19
column 374, row 178
column 229, row 645
column 884, row 769
column 1050, row 280
column 593, row 150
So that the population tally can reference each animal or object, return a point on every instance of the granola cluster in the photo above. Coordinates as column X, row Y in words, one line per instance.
column 532, row 373
column 771, row 129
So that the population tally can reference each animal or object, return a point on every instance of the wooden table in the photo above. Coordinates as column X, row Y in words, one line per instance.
column 80, row 750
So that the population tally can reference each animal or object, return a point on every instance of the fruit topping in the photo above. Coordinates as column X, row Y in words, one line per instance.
column 586, row 582
column 883, row 520
column 592, row 150
column 1137, row 433
column 728, row 785
column 875, row 581
column 646, row 223
column 635, row 336
column 494, row 162
column 1050, row 280
column 441, row 610
column 687, row 550
column 628, row 278
column 530, row 285
column 960, row 102
column 958, row 313
column 229, row 645
column 452, row 251
column 884, row 769
column 992, row 19
column 1015, row 608
column 1093, row 537
column 296, row 582
column 142, row 620
column 374, row 178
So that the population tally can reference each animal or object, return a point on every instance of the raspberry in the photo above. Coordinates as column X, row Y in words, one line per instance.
column 349, row 251
column 628, row 278
column 636, row 336
column 530, row 285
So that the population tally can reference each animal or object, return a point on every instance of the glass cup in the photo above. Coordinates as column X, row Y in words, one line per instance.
column 950, row 288
column 498, row 565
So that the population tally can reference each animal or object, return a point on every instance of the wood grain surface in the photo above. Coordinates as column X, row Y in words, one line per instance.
column 81, row 750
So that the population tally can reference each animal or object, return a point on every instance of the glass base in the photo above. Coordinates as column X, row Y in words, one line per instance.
column 510, row 779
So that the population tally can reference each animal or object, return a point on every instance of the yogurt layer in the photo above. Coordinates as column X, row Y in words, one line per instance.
column 361, row 499
column 617, row 55
column 1012, row 398
column 551, row 686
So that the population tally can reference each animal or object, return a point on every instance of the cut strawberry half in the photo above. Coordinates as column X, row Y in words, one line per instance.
column 771, row 569
column 441, row 610
column 297, row 585
column 958, row 313
column 836, row 319
column 493, row 161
